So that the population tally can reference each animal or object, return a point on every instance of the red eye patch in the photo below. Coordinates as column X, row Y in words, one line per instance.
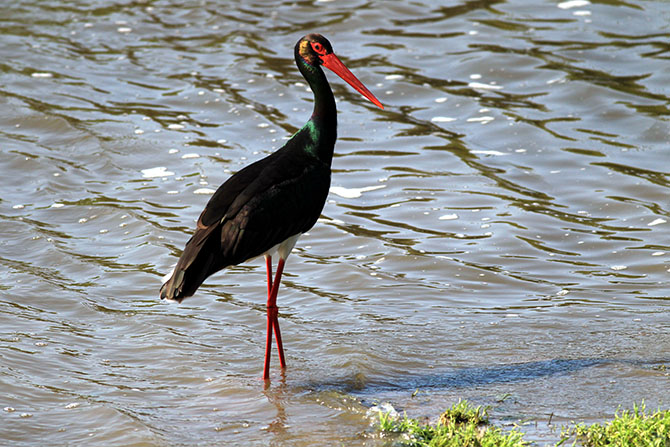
column 318, row 48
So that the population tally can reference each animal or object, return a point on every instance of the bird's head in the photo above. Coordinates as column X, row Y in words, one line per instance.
column 315, row 50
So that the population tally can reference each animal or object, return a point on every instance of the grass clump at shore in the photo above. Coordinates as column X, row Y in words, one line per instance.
column 628, row 428
column 460, row 426
column 466, row 426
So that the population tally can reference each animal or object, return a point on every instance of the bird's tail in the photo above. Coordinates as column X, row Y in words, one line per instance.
column 171, row 290
column 198, row 261
column 185, row 281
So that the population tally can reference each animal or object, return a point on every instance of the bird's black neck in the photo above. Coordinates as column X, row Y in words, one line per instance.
column 322, row 125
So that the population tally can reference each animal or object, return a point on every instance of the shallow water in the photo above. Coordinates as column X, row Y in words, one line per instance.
column 499, row 233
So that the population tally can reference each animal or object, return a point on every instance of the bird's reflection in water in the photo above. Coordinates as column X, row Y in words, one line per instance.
column 277, row 395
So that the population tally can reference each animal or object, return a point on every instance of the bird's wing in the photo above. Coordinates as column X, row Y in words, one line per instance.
column 290, row 206
column 261, row 206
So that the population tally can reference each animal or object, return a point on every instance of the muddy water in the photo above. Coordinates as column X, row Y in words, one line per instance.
column 499, row 233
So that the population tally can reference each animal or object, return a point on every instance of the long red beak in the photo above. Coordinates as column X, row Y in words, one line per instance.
column 332, row 62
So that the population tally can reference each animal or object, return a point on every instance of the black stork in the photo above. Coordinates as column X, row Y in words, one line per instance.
column 264, row 208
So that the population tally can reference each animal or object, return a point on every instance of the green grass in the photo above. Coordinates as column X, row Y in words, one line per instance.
column 460, row 426
column 628, row 428
column 466, row 426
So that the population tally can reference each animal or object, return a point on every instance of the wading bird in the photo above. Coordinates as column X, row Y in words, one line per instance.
column 264, row 208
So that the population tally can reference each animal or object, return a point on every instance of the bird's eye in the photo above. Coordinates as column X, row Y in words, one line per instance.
column 318, row 48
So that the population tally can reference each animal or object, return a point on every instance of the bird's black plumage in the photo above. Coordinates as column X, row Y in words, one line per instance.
column 269, row 201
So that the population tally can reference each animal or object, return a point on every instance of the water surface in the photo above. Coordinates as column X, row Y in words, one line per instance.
column 499, row 233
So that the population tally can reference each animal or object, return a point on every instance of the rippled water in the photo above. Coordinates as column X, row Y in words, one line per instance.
column 499, row 233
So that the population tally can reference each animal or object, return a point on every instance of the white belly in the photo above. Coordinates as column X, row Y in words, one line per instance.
column 283, row 249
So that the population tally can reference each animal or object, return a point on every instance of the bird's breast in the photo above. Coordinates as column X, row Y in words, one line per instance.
column 284, row 248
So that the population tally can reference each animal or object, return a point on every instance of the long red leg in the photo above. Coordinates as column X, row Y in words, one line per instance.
column 268, row 268
column 275, row 321
column 268, row 349
column 268, row 339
